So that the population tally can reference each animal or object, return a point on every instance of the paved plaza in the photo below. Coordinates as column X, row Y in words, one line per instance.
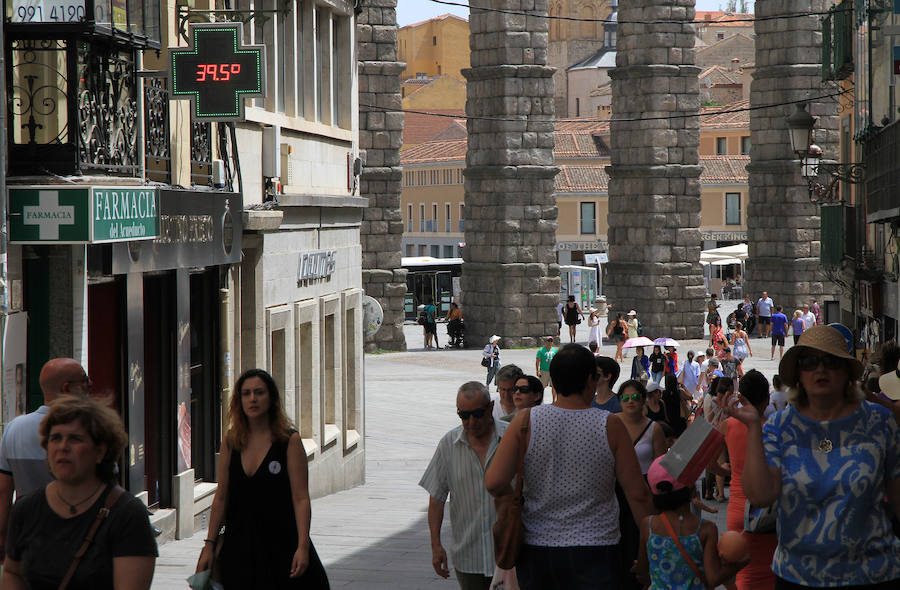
column 375, row 536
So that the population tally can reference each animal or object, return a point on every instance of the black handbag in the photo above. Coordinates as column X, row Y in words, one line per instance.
column 485, row 362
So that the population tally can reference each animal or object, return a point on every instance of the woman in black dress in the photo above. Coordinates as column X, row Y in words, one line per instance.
column 262, row 497
column 573, row 315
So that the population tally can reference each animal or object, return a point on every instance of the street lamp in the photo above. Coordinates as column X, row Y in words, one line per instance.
column 800, row 125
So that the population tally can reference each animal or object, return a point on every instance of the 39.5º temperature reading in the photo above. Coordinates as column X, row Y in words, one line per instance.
column 217, row 72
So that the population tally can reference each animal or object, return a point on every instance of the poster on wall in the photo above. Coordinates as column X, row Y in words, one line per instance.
column 14, row 374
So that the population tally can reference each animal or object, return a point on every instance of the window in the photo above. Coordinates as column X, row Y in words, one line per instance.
column 435, row 251
column 745, row 145
column 434, row 40
column 720, row 36
column 577, row 107
column 447, row 219
column 732, row 208
column 421, row 216
column 421, row 249
column 434, row 216
column 462, row 210
column 721, row 146
column 410, row 250
column 448, row 251
column 409, row 218
column 588, row 218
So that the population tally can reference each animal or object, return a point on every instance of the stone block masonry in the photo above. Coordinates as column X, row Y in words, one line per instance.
column 654, row 172
column 782, row 224
column 510, row 279
column 380, row 138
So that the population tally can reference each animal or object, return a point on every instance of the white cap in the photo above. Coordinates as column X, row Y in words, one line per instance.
column 890, row 385
column 652, row 386
column 494, row 338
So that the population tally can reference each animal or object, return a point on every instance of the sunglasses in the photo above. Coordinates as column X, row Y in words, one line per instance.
column 477, row 414
column 523, row 389
column 810, row 362
column 634, row 397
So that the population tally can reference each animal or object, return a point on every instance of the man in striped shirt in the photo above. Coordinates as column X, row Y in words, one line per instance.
column 457, row 469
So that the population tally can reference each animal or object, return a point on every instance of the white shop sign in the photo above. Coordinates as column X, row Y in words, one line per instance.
column 318, row 264
column 47, row 11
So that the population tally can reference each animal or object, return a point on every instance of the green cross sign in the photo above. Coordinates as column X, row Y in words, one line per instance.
column 217, row 72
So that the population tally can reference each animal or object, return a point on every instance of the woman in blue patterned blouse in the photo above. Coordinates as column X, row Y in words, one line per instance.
column 829, row 459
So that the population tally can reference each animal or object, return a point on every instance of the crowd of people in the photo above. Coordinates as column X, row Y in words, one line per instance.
column 811, row 464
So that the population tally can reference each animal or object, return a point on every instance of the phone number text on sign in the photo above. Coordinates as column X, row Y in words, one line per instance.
column 47, row 11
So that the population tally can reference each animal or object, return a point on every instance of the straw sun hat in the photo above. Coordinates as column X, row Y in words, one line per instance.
column 821, row 338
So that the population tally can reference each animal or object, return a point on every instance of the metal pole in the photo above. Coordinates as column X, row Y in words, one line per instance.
column 4, row 277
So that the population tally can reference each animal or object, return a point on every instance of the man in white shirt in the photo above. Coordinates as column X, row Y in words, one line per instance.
column 764, row 315
column 506, row 387
column 809, row 318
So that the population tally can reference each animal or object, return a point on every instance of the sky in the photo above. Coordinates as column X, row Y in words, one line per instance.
column 411, row 11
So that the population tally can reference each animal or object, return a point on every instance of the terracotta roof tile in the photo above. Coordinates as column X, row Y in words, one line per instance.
column 723, row 19
column 715, row 118
column 435, row 151
column 593, row 179
column 419, row 128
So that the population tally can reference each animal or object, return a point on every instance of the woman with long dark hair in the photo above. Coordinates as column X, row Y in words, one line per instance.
column 263, row 496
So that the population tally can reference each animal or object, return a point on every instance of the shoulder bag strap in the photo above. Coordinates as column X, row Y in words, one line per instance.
column 523, row 447
column 111, row 499
column 643, row 432
column 681, row 548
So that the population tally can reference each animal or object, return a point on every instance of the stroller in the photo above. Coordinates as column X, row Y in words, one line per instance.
column 456, row 330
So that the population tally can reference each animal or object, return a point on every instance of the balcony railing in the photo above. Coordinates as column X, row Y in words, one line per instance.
column 156, row 121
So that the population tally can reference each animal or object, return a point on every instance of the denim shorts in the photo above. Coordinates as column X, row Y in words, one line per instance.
column 568, row 568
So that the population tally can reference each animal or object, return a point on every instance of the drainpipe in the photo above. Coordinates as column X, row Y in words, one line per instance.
column 4, row 230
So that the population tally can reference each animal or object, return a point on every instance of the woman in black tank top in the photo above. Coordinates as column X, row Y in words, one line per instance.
column 263, row 497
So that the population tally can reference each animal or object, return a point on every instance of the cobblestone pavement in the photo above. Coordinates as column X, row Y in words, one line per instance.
column 375, row 536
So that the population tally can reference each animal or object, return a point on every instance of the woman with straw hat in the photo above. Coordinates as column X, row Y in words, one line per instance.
column 828, row 460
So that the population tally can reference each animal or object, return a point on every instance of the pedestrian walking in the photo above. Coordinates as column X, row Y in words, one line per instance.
column 797, row 325
column 809, row 459
column 23, row 461
column 816, row 310
column 542, row 360
column 649, row 442
column 657, row 364
column 809, row 318
column 491, row 358
column 656, row 410
column 262, row 496
column 740, row 342
column 607, row 375
column 690, row 374
column 779, row 331
column 764, row 306
column 677, row 549
column 571, row 539
column 754, row 388
column 506, row 388
column 457, row 469
column 573, row 315
column 49, row 528
column 640, row 365
column 594, row 333
column 617, row 331
column 633, row 324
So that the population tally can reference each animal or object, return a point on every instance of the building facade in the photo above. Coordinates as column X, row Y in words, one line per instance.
column 225, row 246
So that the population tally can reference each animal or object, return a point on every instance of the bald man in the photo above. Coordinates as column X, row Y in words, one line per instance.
column 23, row 463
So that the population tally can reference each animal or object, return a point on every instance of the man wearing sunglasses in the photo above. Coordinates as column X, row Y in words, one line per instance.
column 23, row 463
column 457, row 469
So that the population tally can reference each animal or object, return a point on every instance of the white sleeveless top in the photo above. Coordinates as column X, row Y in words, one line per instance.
column 570, row 478
column 644, row 449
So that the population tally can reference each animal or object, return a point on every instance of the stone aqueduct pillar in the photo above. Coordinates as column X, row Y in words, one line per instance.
column 380, row 138
column 654, row 186
column 510, row 279
column 782, row 223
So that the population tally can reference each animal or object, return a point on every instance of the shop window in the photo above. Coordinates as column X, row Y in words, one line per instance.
column 276, row 362
column 332, row 378
column 732, row 208
column 721, row 146
column 588, row 218
column 352, row 374
column 279, row 327
column 308, row 373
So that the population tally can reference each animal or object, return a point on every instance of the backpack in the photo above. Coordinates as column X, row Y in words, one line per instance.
column 422, row 319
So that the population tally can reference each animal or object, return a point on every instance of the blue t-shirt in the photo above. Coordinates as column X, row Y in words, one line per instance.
column 429, row 313
column 779, row 323
column 611, row 405
column 833, row 529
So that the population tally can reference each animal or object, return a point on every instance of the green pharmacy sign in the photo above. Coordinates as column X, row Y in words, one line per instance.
column 84, row 215
column 217, row 72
